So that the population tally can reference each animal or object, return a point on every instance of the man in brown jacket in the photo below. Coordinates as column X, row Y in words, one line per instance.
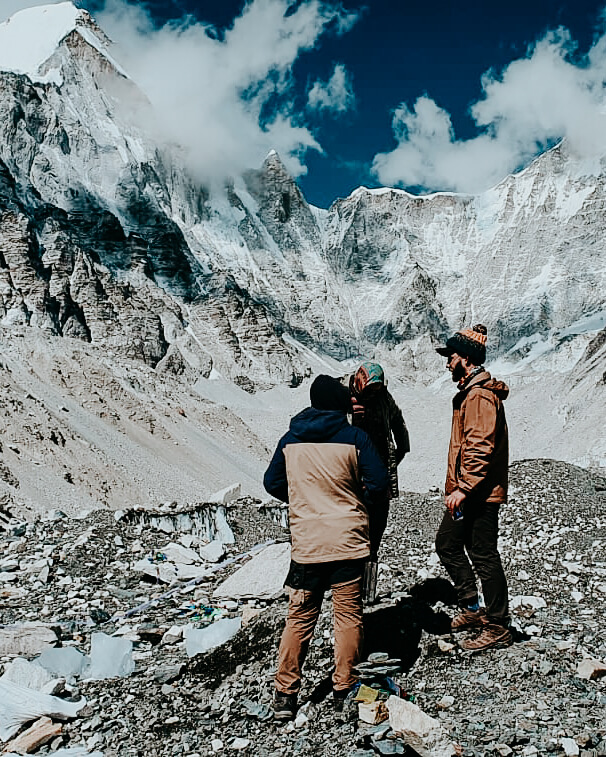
column 476, row 487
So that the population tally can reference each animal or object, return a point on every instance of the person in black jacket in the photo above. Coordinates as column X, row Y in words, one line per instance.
column 330, row 473
column 374, row 410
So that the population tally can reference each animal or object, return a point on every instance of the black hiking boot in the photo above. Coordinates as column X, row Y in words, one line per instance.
column 285, row 706
column 338, row 698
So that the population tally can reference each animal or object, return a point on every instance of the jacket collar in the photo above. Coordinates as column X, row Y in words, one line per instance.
column 476, row 378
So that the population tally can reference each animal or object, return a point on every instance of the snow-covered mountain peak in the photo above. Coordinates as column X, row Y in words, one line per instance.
column 273, row 162
column 30, row 38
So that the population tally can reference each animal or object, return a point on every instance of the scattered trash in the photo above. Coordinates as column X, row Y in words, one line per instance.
column 192, row 582
column 201, row 612
column 372, row 712
column 366, row 694
column 19, row 705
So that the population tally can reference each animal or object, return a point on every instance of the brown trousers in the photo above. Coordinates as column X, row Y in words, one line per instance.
column 303, row 612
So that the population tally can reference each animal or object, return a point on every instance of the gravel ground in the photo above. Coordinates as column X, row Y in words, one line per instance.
column 527, row 699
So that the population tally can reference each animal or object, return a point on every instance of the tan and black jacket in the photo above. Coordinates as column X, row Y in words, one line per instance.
column 329, row 473
column 478, row 456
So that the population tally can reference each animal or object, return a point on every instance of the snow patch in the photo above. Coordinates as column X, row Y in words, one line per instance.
column 30, row 37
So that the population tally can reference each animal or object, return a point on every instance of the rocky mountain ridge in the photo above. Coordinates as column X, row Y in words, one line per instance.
column 381, row 271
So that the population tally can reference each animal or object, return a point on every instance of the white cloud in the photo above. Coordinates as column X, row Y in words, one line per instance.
column 336, row 94
column 226, row 98
column 550, row 94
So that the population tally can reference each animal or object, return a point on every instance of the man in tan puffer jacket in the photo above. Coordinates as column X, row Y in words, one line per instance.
column 476, row 487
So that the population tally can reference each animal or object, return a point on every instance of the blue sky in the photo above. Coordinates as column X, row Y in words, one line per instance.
column 421, row 95
column 396, row 52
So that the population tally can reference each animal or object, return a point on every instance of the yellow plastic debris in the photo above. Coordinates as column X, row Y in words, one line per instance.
column 366, row 694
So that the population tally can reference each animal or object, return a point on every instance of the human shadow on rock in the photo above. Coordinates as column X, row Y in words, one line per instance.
column 397, row 628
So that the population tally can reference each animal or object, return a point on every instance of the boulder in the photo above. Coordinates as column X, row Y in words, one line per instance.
column 421, row 732
column 25, row 639
column 261, row 578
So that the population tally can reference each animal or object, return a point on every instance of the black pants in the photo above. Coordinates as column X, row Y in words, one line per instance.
column 379, row 512
column 475, row 536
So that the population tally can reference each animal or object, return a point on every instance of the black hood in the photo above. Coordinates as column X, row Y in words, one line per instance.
column 312, row 425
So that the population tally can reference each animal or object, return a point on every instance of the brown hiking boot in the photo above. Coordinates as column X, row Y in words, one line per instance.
column 467, row 619
column 490, row 636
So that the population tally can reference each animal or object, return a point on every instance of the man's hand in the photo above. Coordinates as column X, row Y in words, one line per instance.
column 454, row 501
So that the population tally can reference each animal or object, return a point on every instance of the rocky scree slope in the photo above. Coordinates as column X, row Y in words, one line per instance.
column 529, row 699
column 82, row 429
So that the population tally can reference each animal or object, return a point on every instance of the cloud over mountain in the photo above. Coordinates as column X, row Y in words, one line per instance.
column 226, row 97
column 551, row 94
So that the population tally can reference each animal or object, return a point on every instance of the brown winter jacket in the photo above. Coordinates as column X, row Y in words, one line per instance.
column 478, row 455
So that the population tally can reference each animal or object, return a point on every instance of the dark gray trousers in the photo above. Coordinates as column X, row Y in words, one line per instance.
column 475, row 538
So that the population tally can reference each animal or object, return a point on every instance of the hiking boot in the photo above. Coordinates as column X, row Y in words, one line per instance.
column 338, row 698
column 491, row 636
column 467, row 619
column 285, row 706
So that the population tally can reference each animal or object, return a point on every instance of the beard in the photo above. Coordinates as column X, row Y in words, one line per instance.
column 457, row 373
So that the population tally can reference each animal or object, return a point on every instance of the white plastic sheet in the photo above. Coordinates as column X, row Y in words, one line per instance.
column 200, row 640
column 19, row 705
column 66, row 662
column 110, row 657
